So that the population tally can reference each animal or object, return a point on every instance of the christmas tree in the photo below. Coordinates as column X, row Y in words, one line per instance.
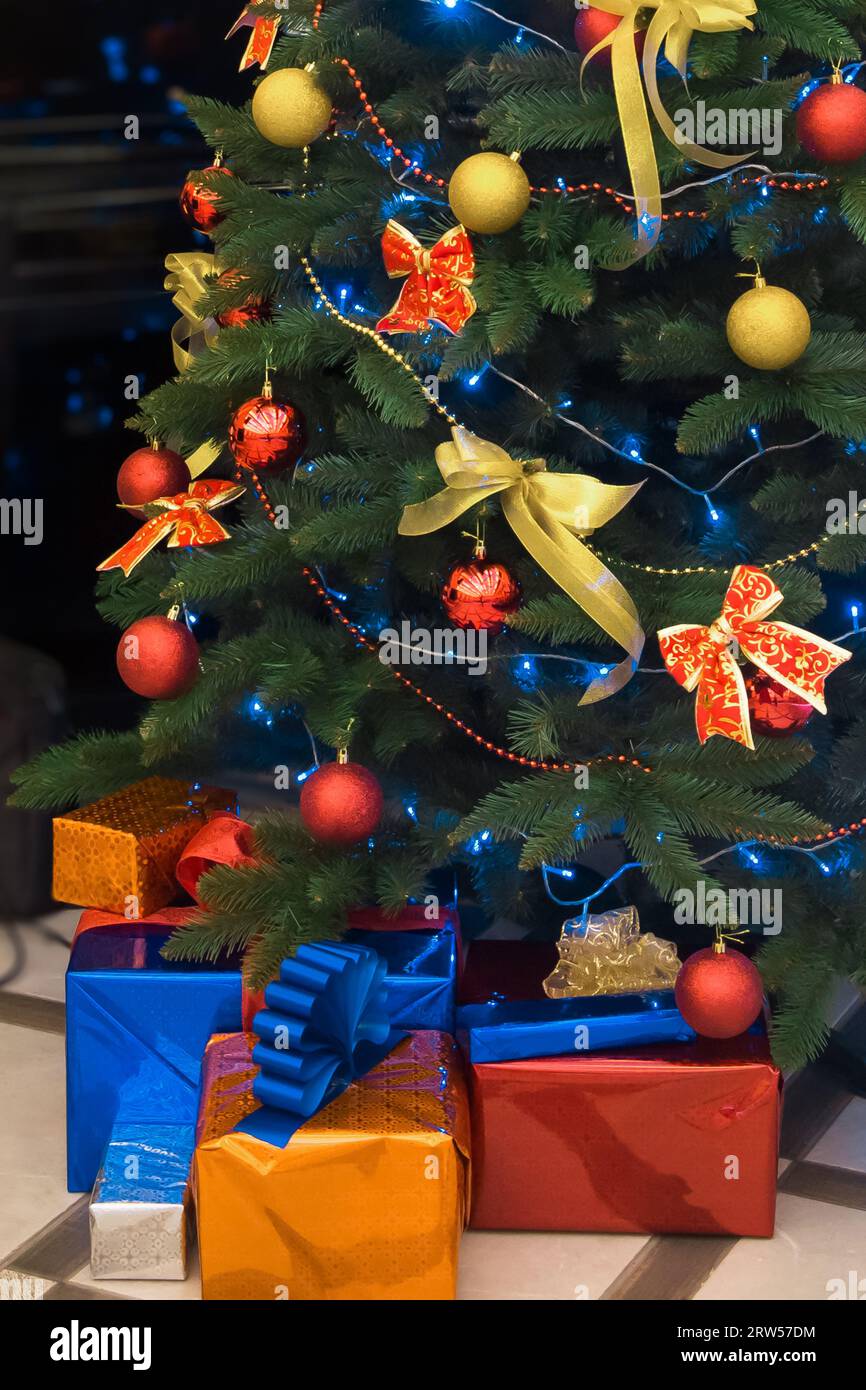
column 469, row 425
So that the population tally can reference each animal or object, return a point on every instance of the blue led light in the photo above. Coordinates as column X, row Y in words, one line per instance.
column 473, row 379
column 302, row 776
column 715, row 516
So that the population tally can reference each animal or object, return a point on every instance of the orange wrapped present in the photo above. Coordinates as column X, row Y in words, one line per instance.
column 366, row 1201
column 120, row 853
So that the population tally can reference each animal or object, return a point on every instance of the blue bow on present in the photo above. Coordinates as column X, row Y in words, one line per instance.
column 324, row 1025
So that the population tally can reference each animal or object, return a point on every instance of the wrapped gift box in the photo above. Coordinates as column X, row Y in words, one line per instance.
column 120, row 853
column 367, row 1200
column 136, row 1029
column 680, row 1138
column 421, row 959
column 137, row 1024
column 140, row 1204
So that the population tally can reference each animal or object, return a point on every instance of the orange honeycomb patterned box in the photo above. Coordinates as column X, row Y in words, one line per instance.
column 120, row 853
column 366, row 1201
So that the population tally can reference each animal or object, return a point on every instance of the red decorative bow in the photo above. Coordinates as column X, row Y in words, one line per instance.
column 186, row 519
column 262, row 39
column 437, row 288
column 705, row 658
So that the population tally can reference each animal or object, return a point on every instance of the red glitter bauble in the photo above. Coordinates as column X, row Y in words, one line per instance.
column 253, row 310
column 267, row 434
column 198, row 203
column 773, row 709
column 480, row 595
column 151, row 473
column 158, row 658
column 719, row 993
column 341, row 803
column 592, row 25
column 831, row 123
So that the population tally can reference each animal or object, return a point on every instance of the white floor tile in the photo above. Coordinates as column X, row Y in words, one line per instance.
column 45, row 959
column 815, row 1243
column 32, row 1134
column 547, row 1265
column 844, row 1144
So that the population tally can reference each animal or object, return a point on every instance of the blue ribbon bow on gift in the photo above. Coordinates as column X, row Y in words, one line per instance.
column 324, row 1025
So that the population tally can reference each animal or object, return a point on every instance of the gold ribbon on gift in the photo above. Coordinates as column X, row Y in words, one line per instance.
column 671, row 28
column 190, row 276
column 547, row 512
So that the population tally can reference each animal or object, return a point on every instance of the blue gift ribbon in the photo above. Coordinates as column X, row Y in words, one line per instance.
column 324, row 1025
column 507, row 1031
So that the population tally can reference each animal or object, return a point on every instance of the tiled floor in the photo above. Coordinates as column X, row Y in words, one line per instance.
column 821, row 1222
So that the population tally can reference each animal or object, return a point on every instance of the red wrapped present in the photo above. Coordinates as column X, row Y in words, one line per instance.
column 677, row 1139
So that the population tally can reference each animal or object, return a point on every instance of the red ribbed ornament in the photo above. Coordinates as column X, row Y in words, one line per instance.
column 831, row 123
column 592, row 25
column 158, row 658
column 480, row 595
column 267, row 434
column 151, row 473
column 198, row 202
column 773, row 709
column 341, row 803
column 253, row 310
column 719, row 993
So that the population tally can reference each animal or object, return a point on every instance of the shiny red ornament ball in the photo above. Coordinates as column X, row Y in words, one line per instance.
column 341, row 803
column 198, row 202
column 158, row 658
column 592, row 25
column 151, row 473
column 719, row 993
column 831, row 123
column 480, row 595
column 267, row 434
column 773, row 709
column 253, row 310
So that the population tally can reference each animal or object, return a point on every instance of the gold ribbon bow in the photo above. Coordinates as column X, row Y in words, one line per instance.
column 189, row 278
column 671, row 28
column 190, row 275
column 547, row 512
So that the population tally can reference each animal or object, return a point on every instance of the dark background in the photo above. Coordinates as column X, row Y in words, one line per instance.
column 86, row 220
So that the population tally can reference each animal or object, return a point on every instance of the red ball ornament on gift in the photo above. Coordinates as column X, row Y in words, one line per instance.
column 266, row 434
column 831, row 123
column 480, row 595
column 775, row 710
column 198, row 202
column 341, row 803
column 719, row 993
column 592, row 25
column 151, row 473
column 158, row 658
column 253, row 310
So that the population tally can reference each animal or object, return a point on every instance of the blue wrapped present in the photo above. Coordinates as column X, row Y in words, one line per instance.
column 136, row 1030
column 506, row 1030
column 137, row 1024
column 420, row 964
column 140, row 1204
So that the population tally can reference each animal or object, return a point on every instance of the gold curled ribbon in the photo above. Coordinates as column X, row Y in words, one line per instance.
column 671, row 28
column 607, row 953
column 190, row 275
column 547, row 512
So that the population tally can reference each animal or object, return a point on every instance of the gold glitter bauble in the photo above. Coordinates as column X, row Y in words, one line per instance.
column 290, row 109
column 488, row 192
column 769, row 327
